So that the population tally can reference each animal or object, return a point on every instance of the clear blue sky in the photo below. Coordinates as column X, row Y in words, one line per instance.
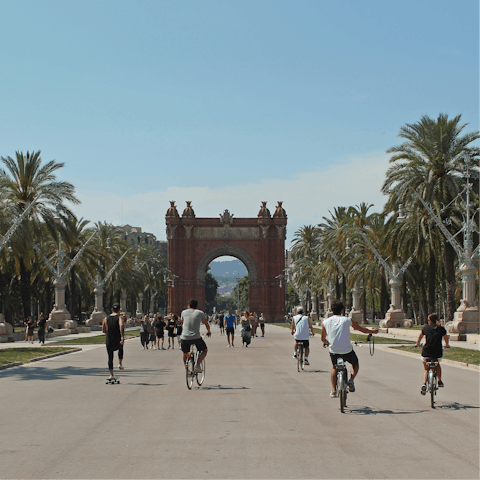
column 141, row 97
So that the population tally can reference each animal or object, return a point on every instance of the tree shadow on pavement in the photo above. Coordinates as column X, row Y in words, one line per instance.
column 363, row 410
column 39, row 372
column 454, row 406
column 223, row 387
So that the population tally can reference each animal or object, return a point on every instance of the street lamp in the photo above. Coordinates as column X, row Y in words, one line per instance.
column 465, row 319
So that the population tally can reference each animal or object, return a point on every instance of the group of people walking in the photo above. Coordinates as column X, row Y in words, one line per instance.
column 152, row 331
column 248, row 321
column 29, row 325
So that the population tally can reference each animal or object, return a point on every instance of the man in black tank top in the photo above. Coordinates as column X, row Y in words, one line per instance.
column 113, row 327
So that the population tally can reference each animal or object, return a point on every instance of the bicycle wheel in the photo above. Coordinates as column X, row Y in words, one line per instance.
column 343, row 400
column 298, row 357
column 302, row 355
column 431, row 386
column 201, row 376
column 190, row 372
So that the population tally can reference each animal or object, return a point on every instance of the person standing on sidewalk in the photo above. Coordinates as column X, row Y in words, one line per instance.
column 113, row 328
column 230, row 325
column 41, row 329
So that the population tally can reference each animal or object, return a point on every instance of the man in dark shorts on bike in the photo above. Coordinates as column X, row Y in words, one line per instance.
column 433, row 333
column 113, row 327
column 192, row 320
column 230, row 324
column 337, row 329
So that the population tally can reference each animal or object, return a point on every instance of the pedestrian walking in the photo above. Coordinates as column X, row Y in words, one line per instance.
column 171, row 324
column 159, row 331
column 262, row 324
column 41, row 329
column 30, row 329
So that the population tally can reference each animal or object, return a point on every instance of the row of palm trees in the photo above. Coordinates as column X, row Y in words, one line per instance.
column 26, row 280
column 432, row 161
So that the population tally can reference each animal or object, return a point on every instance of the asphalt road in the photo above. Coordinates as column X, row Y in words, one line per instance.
column 255, row 417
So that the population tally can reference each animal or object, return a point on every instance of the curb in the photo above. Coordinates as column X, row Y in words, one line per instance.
column 38, row 359
column 445, row 361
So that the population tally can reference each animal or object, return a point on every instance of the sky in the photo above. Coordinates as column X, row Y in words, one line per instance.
column 229, row 103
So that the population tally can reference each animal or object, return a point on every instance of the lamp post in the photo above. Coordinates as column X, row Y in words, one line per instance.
column 395, row 314
column 98, row 313
column 6, row 329
column 466, row 318
column 60, row 316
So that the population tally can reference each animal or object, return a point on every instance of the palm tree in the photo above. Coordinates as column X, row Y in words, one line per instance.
column 25, row 180
column 430, row 162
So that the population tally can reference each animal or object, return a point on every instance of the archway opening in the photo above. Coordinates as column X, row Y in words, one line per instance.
column 226, row 285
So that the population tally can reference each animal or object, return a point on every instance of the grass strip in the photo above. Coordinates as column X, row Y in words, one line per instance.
column 13, row 355
column 354, row 337
column 97, row 339
column 457, row 354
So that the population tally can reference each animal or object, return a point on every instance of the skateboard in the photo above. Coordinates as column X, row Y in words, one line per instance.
column 112, row 381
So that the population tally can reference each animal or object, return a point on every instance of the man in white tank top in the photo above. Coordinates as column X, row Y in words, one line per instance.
column 337, row 329
column 301, row 326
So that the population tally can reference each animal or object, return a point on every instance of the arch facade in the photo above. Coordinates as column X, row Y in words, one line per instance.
column 259, row 242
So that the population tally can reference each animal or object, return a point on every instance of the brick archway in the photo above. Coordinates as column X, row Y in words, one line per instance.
column 258, row 242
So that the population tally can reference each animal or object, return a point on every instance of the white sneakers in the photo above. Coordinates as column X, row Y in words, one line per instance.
column 121, row 367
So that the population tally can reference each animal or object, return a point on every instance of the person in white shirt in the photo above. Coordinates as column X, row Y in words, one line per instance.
column 337, row 329
column 301, row 326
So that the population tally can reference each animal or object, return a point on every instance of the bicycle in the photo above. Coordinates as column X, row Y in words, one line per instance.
column 300, row 355
column 432, row 382
column 371, row 344
column 342, row 383
column 192, row 358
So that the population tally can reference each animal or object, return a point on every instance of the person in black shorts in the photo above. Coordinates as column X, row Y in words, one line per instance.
column 172, row 321
column 179, row 331
column 262, row 324
column 41, row 329
column 159, row 330
column 220, row 323
column 230, row 325
column 192, row 320
column 433, row 332
column 113, row 327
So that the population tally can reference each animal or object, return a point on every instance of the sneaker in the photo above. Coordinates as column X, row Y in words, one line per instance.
column 440, row 383
column 229, row 346
column 168, row 347
column 121, row 367
column 294, row 355
column 111, row 377
column 198, row 369
column 162, row 348
column 423, row 390
column 233, row 345
column 333, row 394
column 351, row 386
column 306, row 362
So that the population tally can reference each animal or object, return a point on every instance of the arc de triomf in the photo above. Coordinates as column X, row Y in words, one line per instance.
column 259, row 242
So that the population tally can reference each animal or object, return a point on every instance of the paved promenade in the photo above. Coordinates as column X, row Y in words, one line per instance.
column 255, row 417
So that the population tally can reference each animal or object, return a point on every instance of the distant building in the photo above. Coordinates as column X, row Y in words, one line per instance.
column 135, row 236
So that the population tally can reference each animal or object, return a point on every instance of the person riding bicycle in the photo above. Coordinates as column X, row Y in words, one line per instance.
column 301, row 325
column 433, row 332
column 337, row 329
column 192, row 320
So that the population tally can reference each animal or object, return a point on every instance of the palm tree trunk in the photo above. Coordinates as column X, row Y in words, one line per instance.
column 25, row 289
column 344, row 290
column 364, row 304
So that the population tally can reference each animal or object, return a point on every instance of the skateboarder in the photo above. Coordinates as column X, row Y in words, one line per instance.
column 113, row 327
